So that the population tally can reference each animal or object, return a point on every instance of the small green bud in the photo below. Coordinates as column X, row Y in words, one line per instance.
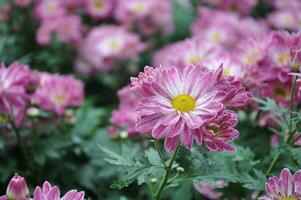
column 180, row 169
column 153, row 180
column 33, row 112
column 123, row 134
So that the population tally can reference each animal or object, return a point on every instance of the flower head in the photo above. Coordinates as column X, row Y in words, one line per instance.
column 15, row 81
column 48, row 192
column 99, row 8
column 56, row 93
column 175, row 104
column 286, row 187
column 208, row 190
column 17, row 188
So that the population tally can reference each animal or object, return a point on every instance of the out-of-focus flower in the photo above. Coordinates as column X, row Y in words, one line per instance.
column 4, row 12
column 108, row 44
column 22, row 3
column 68, row 29
column 226, row 29
column 149, row 16
column 125, row 116
column 17, row 189
column 184, row 53
column 14, row 82
column 99, row 9
column 56, row 93
column 208, row 190
column 241, row 6
column 45, row 9
column 275, row 139
column 287, row 186
column 53, row 193
column 176, row 105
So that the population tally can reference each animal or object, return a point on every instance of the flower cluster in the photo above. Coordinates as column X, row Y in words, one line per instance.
column 125, row 117
column 104, row 46
column 17, row 190
column 149, row 16
column 192, row 104
column 208, row 190
column 19, row 86
column 287, row 186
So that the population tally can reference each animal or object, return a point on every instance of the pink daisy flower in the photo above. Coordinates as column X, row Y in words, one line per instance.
column 108, row 44
column 99, row 9
column 286, row 187
column 22, row 3
column 48, row 192
column 15, row 82
column 240, row 6
column 45, row 9
column 209, row 191
column 175, row 104
column 56, row 93
column 125, row 116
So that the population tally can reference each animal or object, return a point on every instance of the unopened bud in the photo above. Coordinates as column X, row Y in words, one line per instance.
column 180, row 169
column 123, row 134
column 153, row 180
column 33, row 112
column 17, row 188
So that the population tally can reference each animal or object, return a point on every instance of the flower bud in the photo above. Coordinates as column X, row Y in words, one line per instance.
column 153, row 180
column 123, row 134
column 17, row 188
column 180, row 169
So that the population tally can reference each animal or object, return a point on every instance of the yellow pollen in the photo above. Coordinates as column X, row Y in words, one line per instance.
column 183, row 103
column 226, row 72
column 59, row 99
column 283, row 58
column 139, row 7
column 98, row 4
column 280, row 92
column 215, row 37
column 288, row 198
column 194, row 59
column 114, row 44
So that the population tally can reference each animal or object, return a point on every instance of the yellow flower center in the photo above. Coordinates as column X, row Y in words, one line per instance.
column 280, row 92
column 183, row 103
column 226, row 72
column 98, row 4
column 288, row 198
column 114, row 44
column 283, row 58
column 59, row 99
column 216, row 37
column 139, row 7
column 194, row 59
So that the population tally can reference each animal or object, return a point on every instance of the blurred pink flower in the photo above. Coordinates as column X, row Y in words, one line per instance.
column 48, row 192
column 45, row 9
column 208, row 190
column 4, row 12
column 22, row 3
column 57, row 92
column 175, row 104
column 149, row 16
column 241, row 6
column 99, row 9
column 125, row 116
column 287, row 186
column 14, row 82
column 107, row 44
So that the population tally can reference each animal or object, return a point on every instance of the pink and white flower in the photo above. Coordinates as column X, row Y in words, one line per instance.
column 208, row 190
column 241, row 6
column 176, row 105
column 287, row 186
column 14, row 82
column 48, row 192
column 57, row 92
column 99, row 9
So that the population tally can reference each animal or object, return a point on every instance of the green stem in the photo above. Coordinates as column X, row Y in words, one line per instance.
column 168, row 167
column 159, row 152
column 290, row 131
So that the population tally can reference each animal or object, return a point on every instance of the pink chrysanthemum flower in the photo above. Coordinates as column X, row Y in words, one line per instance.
column 22, row 3
column 181, row 54
column 4, row 12
column 209, row 191
column 240, row 6
column 286, row 187
column 108, row 44
column 15, row 82
column 140, row 14
column 67, row 28
column 55, row 93
column 125, row 116
column 46, row 9
column 175, row 104
column 53, row 193
column 99, row 8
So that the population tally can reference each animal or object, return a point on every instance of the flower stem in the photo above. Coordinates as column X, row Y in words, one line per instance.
column 290, row 131
column 168, row 167
column 160, row 153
